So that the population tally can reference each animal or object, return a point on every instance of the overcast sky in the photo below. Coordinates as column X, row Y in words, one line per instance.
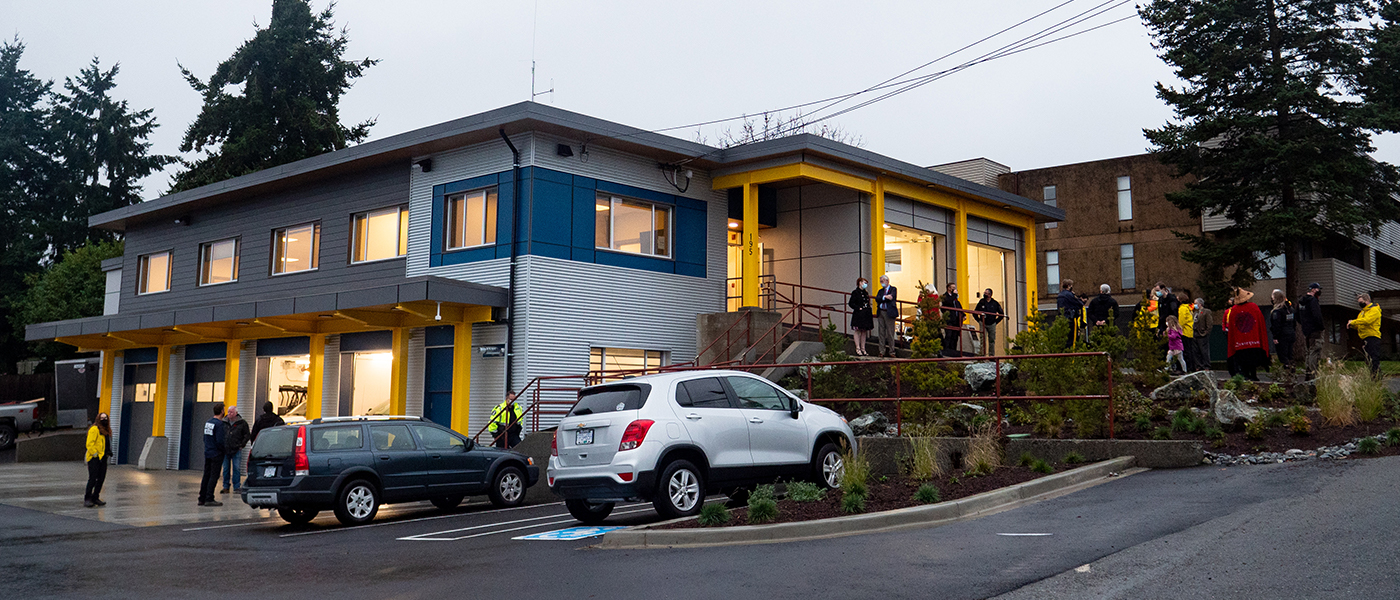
column 661, row 64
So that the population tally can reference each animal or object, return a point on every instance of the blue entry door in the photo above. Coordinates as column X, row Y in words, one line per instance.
column 437, row 388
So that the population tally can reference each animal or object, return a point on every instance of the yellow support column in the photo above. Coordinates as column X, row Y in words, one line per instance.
column 961, row 246
column 462, row 378
column 398, row 374
column 231, row 354
column 877, row 234
column 162, row 382
column 1032, row 282
column 104, row 397
column 314, row 376
column 753, row 259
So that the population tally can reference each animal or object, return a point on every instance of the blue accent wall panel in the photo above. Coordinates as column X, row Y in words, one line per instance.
column 291, row 346
column 583, row 254
column 140, row 355
column 633, row 261
column 210, row 351
column 690, row 235
column 439, row 335
column 553, row 213
column 366, row 341
column 585, row 217
column 690, row 269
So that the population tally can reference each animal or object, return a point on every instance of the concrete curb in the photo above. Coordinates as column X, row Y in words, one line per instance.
column 905, row 518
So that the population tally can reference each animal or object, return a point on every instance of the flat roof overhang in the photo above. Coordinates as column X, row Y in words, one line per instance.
column 418, row 302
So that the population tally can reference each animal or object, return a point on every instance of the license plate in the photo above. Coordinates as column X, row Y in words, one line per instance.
column 583, row 437
column 270, row 472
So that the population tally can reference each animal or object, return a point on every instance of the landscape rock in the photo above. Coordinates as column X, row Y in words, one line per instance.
column 982, row 375
column 1229, row 410
column 1185, row 387
column 1305, row 391
column 1292, row 455
column 871, row 424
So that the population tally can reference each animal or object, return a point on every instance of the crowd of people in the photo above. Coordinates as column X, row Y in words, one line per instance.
column 878, row 311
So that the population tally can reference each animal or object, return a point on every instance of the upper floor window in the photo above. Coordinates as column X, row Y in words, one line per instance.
column 218, row 262
column 633, row 226
column 295, row 248
column 380, row 234
column 1127, row 266
column 155, row 273
column 471, row 219
column 1125, row 198
column 627, row 360
column 1052, row 271
column 1051, row 199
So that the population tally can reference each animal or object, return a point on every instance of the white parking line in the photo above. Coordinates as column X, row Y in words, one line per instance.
column 1026, row 534
column 357, row 528
column 424, row 537
column 262, row 522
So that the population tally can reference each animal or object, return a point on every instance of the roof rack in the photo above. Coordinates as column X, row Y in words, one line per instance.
column 366, row 418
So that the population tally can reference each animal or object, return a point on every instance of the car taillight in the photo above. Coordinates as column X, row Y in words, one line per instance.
column 554, row 444
column 634, row 434
column 303, row 464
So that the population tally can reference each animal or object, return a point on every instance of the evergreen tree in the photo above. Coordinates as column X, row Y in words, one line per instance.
column 1380, row 79
column 26, row 179
column 73, row 287
column 291, row 77
column 102, row 145
column 1269, row 126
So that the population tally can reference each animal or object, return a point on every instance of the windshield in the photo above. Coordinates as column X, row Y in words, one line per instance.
column 274, row 443
column 610, row 398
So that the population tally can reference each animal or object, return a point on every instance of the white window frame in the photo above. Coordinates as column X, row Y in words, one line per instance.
column 204, row 262
column 280, row 232
column 401, row 232
column 143, row 272
column 489, row 195
column 1051, row 196
column 1127, row 267
column 613, row 201
column 1052, row 271
column 1125, row 198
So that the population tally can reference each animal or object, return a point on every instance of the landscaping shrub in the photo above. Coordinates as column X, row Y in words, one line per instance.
column 855, row 471
column 1275, row 418
column 1073, row 458
column 1300, row 424
column 853, row 503
column 1019, row 416
column 1368, row 445
column 1090, row 417
column 1181, row 422
column 762, row 510
column 1159, row 413
column 927, row 494
column 1335, row 396
column 1197, row 425
column 1254, row 430
column 1369, row 396
column 1143, row 423
column 1049, row 420
column 1392, row 437
column 924, row 464
column 1200, row 398
column 983, row 451
column 713, row 514
column 1040, row 466
column 805, row 491
column 1162, row 433
column 1214, row 434
column 1027, row 459
column 763, row 492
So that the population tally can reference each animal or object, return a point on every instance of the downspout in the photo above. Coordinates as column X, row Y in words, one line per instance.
column 514, row 232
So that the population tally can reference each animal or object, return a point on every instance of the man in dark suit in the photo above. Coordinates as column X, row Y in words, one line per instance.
column 989, row 321
column 887, row 310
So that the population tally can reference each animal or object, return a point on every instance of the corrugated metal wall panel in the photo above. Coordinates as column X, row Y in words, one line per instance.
column 114, row 413
column 617, row 167
column 488, row 376
column 417, row 361
column 175, row 408
column 454, row 165
column 330, row 378
column 248, row 378
column 1214, row 222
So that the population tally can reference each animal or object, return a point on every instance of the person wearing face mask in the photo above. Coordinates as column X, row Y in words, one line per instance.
column 98, row 438
column 952, row 321
column 1201, row 320
column 861, row 320
column 1309, row 319
column 887, row 305
column 1167, row 305
column 1368, row 327
column 989, row 321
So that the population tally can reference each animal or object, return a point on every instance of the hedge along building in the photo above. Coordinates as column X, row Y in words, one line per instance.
column 420, row 273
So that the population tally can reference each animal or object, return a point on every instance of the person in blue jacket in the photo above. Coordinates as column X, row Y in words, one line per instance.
column 215, row 432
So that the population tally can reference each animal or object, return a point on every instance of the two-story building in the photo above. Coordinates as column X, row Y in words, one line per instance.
column 430, row 272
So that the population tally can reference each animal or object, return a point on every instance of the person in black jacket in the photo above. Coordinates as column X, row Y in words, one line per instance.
column 215, row 432
column 234, row 442
column 861, row 321
column 887, row 311
column 269, row 418
column 1167, row 305
column 1103, row 309
column 989, row 322
column 1309, row 317
column 953, row 321
column 1281, row 327
column 1070, row 307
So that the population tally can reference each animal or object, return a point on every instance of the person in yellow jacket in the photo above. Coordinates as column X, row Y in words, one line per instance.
column 1186, row 320
column 1368, row 326
column 505, row 423
column 97, row 448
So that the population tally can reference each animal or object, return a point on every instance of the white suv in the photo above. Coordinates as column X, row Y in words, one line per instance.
column 672, row 438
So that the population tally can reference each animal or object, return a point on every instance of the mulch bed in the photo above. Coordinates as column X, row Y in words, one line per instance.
column 1276, row 439
column 893, row 493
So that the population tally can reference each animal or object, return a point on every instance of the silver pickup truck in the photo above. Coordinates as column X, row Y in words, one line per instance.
column 15, row 418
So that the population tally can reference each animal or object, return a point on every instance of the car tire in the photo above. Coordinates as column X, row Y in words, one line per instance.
column 827, row 466
column 680, row 492
column 357, row 503
column 507, row 488
column 7, row 436
column 589, row 513
column 447, row 502
column 297, row 516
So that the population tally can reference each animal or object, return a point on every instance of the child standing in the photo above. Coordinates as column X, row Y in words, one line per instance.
column 1175, row 345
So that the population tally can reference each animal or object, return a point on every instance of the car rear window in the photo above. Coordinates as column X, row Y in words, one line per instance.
column 610, row 398
column 275, row 442
column 345, row 437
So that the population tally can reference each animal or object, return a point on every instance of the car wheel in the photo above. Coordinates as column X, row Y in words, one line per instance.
column 589, row 513
column 297, row 516
column 357, row 503
column 7, row 436
column 681, row 491
column 447, row 502
column 828, row 465
column 507, row 488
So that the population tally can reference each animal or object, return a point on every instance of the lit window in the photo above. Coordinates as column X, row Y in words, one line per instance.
column 155, row 273
column 209, row 391
column 381, row 234
column 144, row 392
column 623, row 360
column 1127, row 266
column 1125, row 198
column 218, row 262
column 294, row 248
column 471, row 219
column 1052, row 271
column 1051, row 199
column 632, row 226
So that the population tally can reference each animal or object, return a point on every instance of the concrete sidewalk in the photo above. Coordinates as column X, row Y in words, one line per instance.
column 136, row 498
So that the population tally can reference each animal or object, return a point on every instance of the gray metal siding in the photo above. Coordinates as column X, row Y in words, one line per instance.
column 114, row 413
column 330, row 378
column 248, row 379
column 175, row 408
column 455, row 165
column 417, row 362
column 488, row 386
column 253, row 221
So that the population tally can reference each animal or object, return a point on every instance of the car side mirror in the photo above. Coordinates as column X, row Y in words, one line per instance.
column 796, row 408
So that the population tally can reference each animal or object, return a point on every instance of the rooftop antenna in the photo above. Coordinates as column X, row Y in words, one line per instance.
column 534, row 34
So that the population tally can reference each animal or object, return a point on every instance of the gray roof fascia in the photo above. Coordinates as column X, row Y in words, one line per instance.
column 425, row 287
column 111, row 264
column 417, row 142
column 813, row 143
